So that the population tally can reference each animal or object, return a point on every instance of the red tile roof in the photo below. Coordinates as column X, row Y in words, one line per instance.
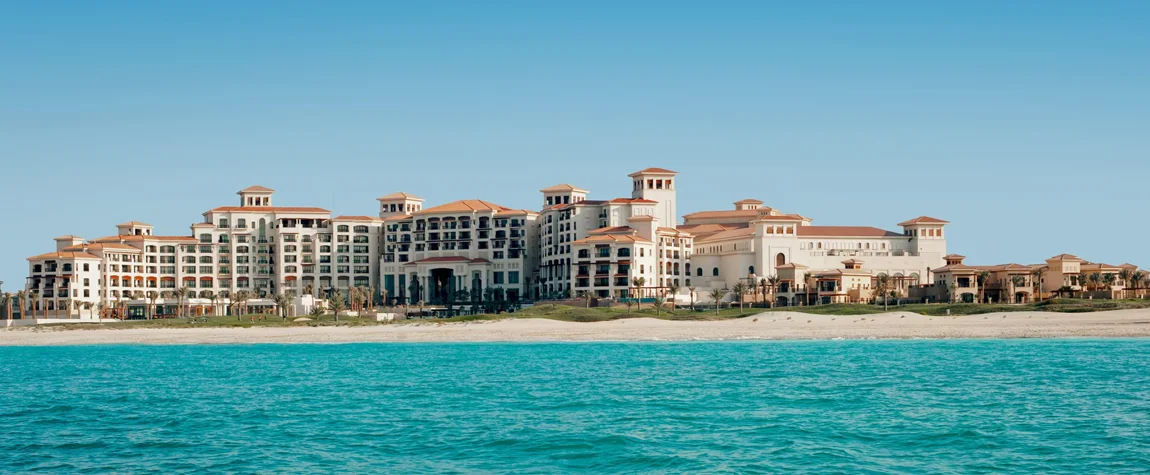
column 448, row 259
column 1065, row 257
column 634, row 200
column 399, row 196
column 749, row 201
column 654, row 171
column 132, row 223
column 256, row 189
column 844, row 231
column 63, row 255
column 923, row 220
column 355, row 218
column 463, row 206
column 561, row 187
column 736, row 233
column 611, row 237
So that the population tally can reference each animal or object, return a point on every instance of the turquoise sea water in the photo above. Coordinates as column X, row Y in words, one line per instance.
column 1019, row 406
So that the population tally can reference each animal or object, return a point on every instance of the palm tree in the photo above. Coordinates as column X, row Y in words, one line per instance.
column 1083, row 281
column 882, row 289
column 239, row 303
column 659, row 301
column 1109, row 280
column 772, row 287
column 383, row 296
column 215, row 298
column 639, row 282
column 1136, row 279
column 953, row 288
column 982, row 278
column 100, row 307
column 1096, row 280
column 337, row 303
column 692, row 291
column 88, row 307
column 6, row 302
column 1124, row 276
column 739, row 290
column 282, row 302
column 21, row 297
column 761, row 289
column 309, row 289
column 78, row 305
column 717, row 295
column 1036, row 283
column 586, row 296
column 317, row 310
column 151, row 295
column 181, row 296
column 674, row 291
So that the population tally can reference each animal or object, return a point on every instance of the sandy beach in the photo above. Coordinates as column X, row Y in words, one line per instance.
column 768, row 326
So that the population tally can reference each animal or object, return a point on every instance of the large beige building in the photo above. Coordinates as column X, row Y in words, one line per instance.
column 572, row 246
column 256, row 246
column 432, row 255
column 825, row 264
column 576, row 232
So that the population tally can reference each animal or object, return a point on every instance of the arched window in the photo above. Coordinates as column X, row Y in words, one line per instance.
column 241, row 223
column 699, row 272
column 715, row 271
column 820, row 245
column 750, row 270
column 780, row 259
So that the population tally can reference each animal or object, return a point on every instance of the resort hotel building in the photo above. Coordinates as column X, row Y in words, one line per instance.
column 467, row 250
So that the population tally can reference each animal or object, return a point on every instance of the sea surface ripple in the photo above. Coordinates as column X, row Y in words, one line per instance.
column 857, row 407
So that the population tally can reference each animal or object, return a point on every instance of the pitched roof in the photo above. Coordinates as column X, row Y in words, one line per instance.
column 268, row 209
column 611, row 229
column 67, row 237
column 354, row 218
column 1065, row 257
column 664, row 229
column 654, row 171
column 203, row 225
column 398, row 217
column 954, row 256
column 514, row 212
column 852, row 261
column 102, row 246
column 641, row 217
column 256, row 189
column 923, row 220
column 791, row 266
column 844, row 231
column 610, row 238
column 729, row 234
column 399, row 195
column 463, row 206
column 749, row 201
column 132, row 223
column 633, row 200
column 561, row 187
column 731, row 213
column 63, row 255
column 137, row 237
column 448, row 259
column 957, row 268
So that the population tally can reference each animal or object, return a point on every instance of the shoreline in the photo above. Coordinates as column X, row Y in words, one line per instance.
column 1133, row 323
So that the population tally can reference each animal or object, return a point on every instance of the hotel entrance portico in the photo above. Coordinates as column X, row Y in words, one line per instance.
column 439, row 279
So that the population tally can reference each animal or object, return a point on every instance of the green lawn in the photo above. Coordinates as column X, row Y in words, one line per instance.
column 581, row 314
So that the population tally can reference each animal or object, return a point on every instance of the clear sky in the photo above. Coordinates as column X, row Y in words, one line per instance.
column 1026, row 124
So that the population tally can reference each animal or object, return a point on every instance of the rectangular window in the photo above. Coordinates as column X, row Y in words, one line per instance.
column 513, row 277
column 497, row 277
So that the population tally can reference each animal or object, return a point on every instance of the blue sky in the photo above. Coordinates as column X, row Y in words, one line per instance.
column 1013, row 120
